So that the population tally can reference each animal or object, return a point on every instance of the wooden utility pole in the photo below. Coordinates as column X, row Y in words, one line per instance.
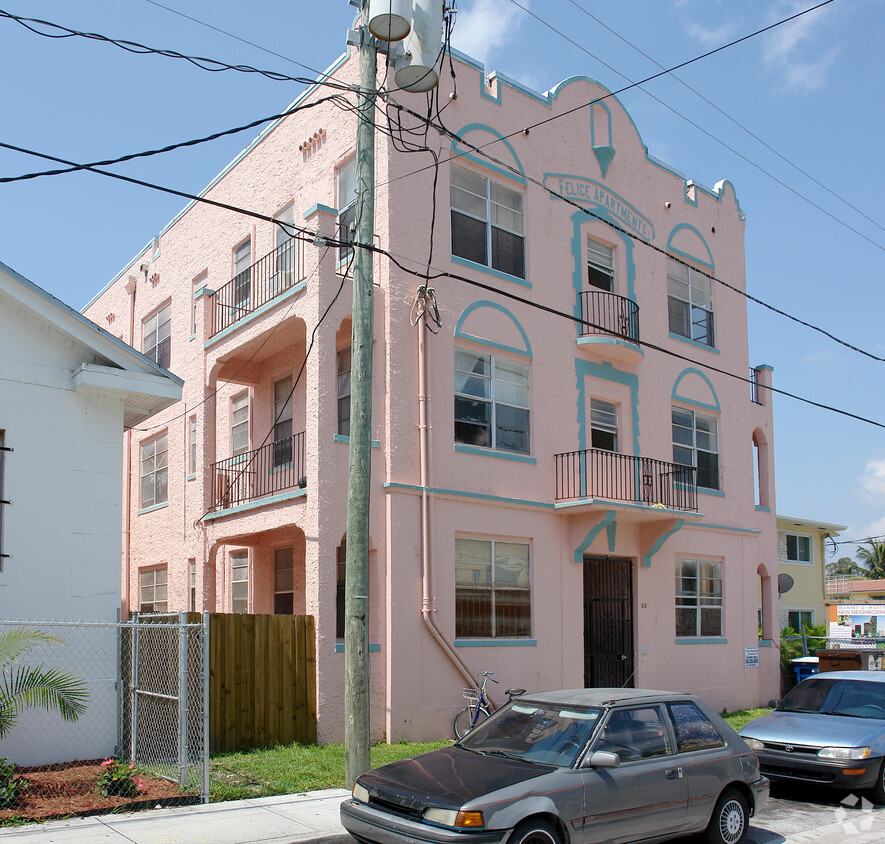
column 356, row 583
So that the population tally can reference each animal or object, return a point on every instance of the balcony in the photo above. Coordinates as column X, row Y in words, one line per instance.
column 268, row 278
column 273, row 468
column 610, row 326
column 598, row 474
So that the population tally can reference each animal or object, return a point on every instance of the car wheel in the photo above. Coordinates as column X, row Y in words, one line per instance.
column 534, row 832
column 729, row 822
column 877, row 792
column 462, row 723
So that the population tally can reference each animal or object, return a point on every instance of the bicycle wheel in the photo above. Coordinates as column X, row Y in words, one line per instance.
column 465, row 721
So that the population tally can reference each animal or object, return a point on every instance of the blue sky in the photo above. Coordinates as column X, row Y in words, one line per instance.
column 792, row 118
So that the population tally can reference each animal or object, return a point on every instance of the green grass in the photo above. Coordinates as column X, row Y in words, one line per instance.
column 743, row 716
column 294, row 769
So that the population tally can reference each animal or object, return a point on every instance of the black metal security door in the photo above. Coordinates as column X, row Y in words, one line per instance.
column 608, row 622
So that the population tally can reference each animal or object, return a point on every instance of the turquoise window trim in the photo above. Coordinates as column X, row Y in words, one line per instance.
column 324, row 209
column 460, row 152
column 192, row 477
column 343, row 438
column 702, row 640
column 766, row 643
column 490, row 452
column 694, row 343
column 691, row 370
column 240, row 458
column 659, row 543
column 496, row 643
column 717, row 493
column 761, row 509
column 254, row 505
column 709, row 263
column 605, row 372
column 515, row 279
column 730, row 528
column 256, row 314
column 473, row 496
column 526, row 351
column 152, row 509
column 373, row 649
column 192, row 337
column 608, row 520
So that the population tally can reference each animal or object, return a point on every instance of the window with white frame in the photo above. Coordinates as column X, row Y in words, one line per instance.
column 152, row 589
column 346, row 207
column 282, row 428
column 600, row 265
column 192, row 584
column 283, row 583
column 488, row 222
column 239, row 581
column 603, row 425
column 491, row 401
column 798, row 548
column 690, row 303
column 698, row 598
column 696, row 443
column 198, row 284
column 343, row 360
column 242, row 277
column 192, row 446
column 157, row 336
column 799, row 619
column 284, row 250
column 155, row 471
column 239, row 424
column 492, row 589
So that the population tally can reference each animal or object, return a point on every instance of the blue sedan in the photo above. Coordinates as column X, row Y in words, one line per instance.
column 830, row 729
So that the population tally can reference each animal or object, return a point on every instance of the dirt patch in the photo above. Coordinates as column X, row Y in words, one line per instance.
column 72, row 789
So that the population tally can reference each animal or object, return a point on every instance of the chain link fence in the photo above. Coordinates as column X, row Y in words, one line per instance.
column 140, row 734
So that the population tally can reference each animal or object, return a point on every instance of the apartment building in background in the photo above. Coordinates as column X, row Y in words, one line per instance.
column 590, row 498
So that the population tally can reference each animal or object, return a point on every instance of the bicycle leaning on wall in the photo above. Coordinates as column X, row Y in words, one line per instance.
column 479, row 706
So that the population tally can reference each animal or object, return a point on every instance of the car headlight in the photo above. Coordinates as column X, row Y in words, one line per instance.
column 753, row 743
column 455, row 818
column 844, row 753
column 360, row 793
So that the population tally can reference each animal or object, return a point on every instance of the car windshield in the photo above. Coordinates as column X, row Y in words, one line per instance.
column 832, row 696
column 535, row 732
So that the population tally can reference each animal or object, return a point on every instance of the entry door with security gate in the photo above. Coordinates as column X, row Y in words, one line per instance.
column 608, row 622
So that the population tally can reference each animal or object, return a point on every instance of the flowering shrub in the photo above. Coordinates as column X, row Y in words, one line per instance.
column 118, row 779
column 10, row 785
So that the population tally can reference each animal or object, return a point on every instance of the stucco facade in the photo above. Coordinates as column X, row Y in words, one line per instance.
column 570, row 462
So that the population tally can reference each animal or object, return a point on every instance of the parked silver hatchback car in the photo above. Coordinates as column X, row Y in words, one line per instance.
column 582, row 765
column 830, row 729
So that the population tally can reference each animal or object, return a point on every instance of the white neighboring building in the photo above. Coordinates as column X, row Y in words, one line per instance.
column 68, row 389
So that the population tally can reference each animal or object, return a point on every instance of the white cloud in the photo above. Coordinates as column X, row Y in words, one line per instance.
column 872, row 481
column 485, row 26
column 794, row 50
column 711, row 37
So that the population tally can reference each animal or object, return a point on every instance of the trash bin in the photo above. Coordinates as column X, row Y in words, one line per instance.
column 804, row 667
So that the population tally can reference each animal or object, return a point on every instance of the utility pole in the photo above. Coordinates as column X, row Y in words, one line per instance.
column 356, row 582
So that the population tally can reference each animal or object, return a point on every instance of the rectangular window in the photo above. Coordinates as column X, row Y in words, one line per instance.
column 192, row 446
column 491, row 402
column 242, row 278
column 192, row 584
column 239, row 581
column 239, row 424
column 698, row 598
column 157, row 336
column 198, row 284
column 690, row 303
column 283, row 584
column 693, row 729
column 284, row 250
column 152, row 585
column 600, row 265
column 154, row 471
column 282, row 428
column 798, row 548
column 340, row 577
column 344, row 392
column 797, row 619
column 4, row 502
column 346, row 207
column 696, row 443
column 488, row 225
column 603, row 425
column 492, row 589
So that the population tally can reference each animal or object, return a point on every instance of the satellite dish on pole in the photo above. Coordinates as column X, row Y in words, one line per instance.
column 784, row 583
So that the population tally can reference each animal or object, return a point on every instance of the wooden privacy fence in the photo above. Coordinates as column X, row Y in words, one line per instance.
column 262, row 681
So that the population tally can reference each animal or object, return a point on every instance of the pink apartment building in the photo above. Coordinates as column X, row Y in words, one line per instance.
column 590, row 499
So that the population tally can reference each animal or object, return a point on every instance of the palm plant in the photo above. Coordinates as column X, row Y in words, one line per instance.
column 871, row 557
column 31, row 686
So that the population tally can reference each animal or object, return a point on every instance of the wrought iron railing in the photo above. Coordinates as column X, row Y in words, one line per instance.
column 267, row 278
column 273, row 468
column 609, row 314
column 596, row 473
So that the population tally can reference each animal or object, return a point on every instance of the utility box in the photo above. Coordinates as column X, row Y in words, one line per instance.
column 851, row 660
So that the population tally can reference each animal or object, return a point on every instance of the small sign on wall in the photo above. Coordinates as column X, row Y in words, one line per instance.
column 751, row 656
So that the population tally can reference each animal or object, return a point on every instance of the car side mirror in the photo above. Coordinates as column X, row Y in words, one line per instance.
column 602, row 759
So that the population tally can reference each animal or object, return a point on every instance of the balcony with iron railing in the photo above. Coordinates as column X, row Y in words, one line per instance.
column 267, row 279
column 610, row 325
column 599, row 474
column 271, row 469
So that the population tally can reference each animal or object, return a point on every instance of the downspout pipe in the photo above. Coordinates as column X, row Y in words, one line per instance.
column 428, row 602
